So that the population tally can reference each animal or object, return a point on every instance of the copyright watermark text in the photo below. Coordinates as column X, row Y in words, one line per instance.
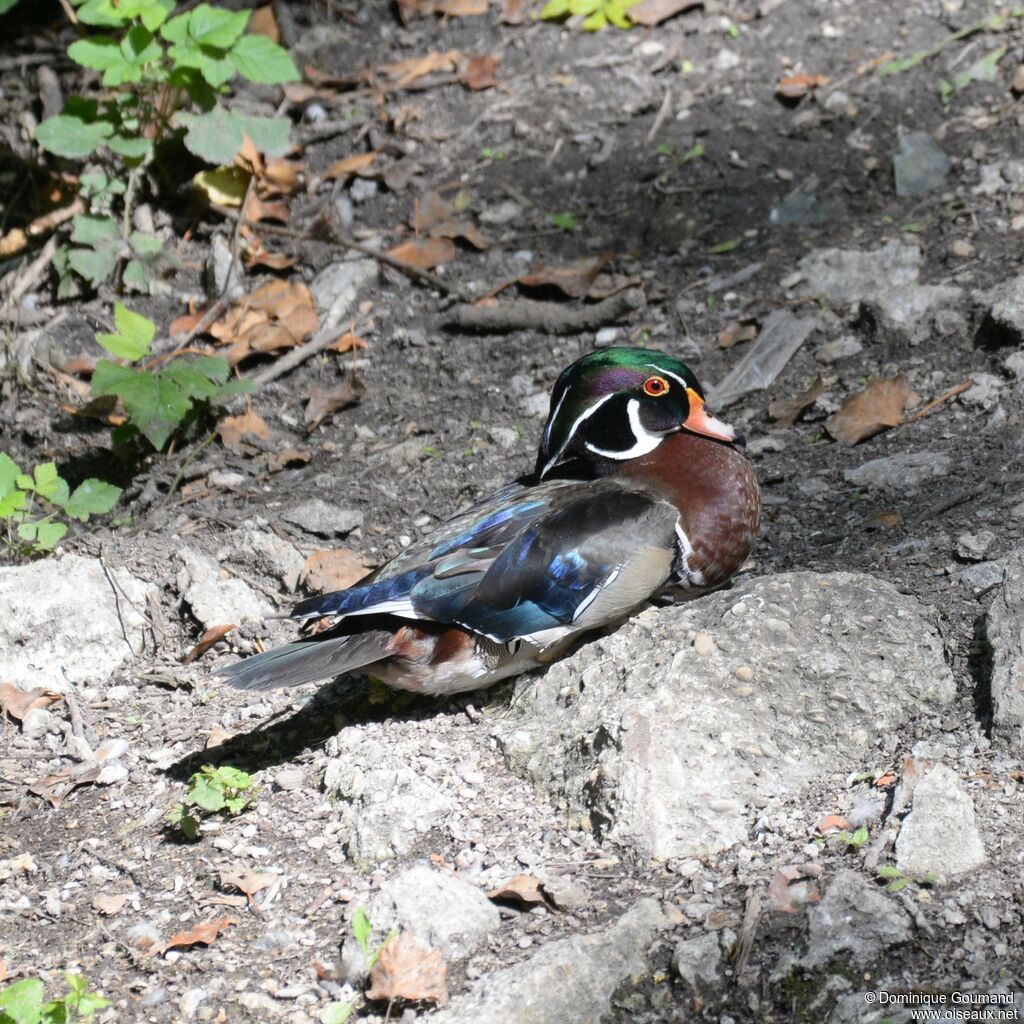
column 952, row 1006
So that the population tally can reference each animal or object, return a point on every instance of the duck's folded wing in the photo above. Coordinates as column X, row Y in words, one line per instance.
column 558, row 560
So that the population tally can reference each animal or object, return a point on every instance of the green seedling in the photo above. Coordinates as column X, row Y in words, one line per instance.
column 564, row 221
column 223, row 790
column 163, row 400
column 362, row 929
column 22, row 1002
column 596, row 13
column 896, row 880
column 32, row 506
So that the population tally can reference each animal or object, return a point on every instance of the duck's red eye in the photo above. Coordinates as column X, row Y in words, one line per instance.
column 655, row 387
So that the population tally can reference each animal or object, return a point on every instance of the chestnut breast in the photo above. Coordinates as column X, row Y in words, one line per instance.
column 718, row 497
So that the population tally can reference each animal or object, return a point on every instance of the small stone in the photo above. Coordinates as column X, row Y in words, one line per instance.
column 503, row 437
column 984, row 392
column 501, row 213
column 962, row 248
column 607, row 336
column 744, row 673
column 215, row 601
column 1002, row 321
column 840, row 348
column 318, row 517
column 981, row 578
column 363, row 189
column 289, row 779
column 704, row 645
column 940, row 835
column 973, row 546
column 189, row 1001
column 726, row 60
column 901, row 473
column 227, row 479
column 1015, row 364
column 36, row 723
column 697, row 961
column 919, row 165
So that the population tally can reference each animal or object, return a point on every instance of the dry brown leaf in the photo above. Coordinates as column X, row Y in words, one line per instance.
column 337, row 569
column 17, row 703
column 460, row 8
column 460, row 229
column 357, row 164
column 207, row 640
column 832, row 823
column 246, row 881
column 406, row 971
column 514, row 12
column 1017, row 85
column 653, row 12
column 401, row 74
column 288, row 457
column 263, row 23
column 109, row 904
column 201, row 934
column 878, row 407
column 425, row 253
column 280, row 314
column 574, row 279
column 218, row 734
column 13, row 242
column 324, row 402
column 787, row 411
column 795, row 87
column 348, row 342
column 240, row 432
column 734, row 332
column 888, row 519
column 524, row 889
column 479, row 72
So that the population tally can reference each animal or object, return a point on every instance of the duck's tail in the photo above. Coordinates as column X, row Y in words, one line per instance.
column 309, row 660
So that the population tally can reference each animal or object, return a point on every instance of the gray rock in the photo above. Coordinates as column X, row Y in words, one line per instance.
column 984, row 392
column 387, row 806
column 840, row 348
column 325, row 520
column 1002, row 318
column 270, row 553
column 900, row 473
column 439, row 908
column 919, row 165
column 65, row 614
column 666, row 748
column 845, row 276
column 697, row 961
column 503, row 437
column 501, row 213
column 974, row 545
column 898, row 309
column 940, row 835
column 216, row 601
column 36, row 723
column 570, row 981
column 336, row 288
column 1005, row 632
column 856, row 919
column 982, row 577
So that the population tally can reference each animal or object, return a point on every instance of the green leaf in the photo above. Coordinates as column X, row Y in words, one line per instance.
column 723, row 247
column 47, row 483
column 362, row 929
column 70, row 136
column 105, row 12
column 132, row 147
column 336, row 1013
column 233, row 777
column 261, row 60
column 156, row 405
column 9, row 473
column 95, row 265
column 595, row 22
column 22, row 1001
column 50, row 535
column 146, row 245
column 554, row 9
column 27, row 531
column 888, row 871
column 899, row 884
column 214, row 26
column 695, row 152
column 204, row 793
column 156, row 13
column 135, row 334
column 175, row 30
column 236, row 804
column 93, row 230
column 92, row 498
column 80, row 1000
column 565, row 221
column 217, row 136
column 97, row 52
column 140, row 47
column 6, row 5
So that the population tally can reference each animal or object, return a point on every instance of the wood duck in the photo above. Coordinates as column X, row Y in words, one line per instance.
column 638, row 489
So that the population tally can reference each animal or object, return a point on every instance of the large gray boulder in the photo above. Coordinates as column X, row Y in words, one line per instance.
column 1005, row 630
column 67, row 621
column 669, row 735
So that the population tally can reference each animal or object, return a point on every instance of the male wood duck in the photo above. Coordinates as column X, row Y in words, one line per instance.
column 637, row 489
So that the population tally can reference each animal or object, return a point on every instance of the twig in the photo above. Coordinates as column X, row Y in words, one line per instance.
column 118, row 593
column 342, row 242
column 545, row 317
column 29, row 277
column 297, row 356
column 192, row 456
column 666, row 106
column 944, row 397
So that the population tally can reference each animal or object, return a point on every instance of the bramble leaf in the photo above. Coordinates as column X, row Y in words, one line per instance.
column 92, row 498
column 135, row 334
column 70, row 136
column 261, row 60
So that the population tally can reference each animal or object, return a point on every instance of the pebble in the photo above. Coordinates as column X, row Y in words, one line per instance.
column 840, row 348
column 744, row 673
column 704, row 645
column 36, row 723
column 973, row 546
column 962, row 248
column 982, row 577
column 289, row 779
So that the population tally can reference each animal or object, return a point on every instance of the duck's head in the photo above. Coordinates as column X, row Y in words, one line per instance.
column 621, row 403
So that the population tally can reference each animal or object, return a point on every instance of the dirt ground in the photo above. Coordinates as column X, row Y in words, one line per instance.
column 596, row 125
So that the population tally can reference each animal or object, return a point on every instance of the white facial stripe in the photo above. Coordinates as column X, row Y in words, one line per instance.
column 668, row 373
column 572, row 432
column 554, row 416
column 645, row 440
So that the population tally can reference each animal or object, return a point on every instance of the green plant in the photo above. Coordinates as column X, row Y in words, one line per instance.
column 336, row 1013
column 850, row 840
column 22, row 1002
column 897, row 880
column 564, row 221
column 159, row 401
column 212, row 790
column 597, row 13
column 362, row 929
column 162, row 75
column 30, row 505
